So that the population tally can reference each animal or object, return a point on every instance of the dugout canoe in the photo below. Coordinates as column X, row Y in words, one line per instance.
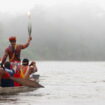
column 15, row 90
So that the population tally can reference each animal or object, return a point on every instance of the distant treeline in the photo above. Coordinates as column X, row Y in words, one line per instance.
column 57, row 36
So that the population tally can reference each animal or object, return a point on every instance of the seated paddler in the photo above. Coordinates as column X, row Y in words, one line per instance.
column 5, row 74
column 27, row 69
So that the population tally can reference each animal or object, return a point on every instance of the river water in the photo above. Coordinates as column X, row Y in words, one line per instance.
column 66, row 83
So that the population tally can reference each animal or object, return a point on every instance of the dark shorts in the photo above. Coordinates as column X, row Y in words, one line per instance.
column 7, row 83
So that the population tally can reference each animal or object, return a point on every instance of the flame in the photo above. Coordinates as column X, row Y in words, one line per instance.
column 29, row 14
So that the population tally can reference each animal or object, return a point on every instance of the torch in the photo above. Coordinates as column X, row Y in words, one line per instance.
column 29, row 23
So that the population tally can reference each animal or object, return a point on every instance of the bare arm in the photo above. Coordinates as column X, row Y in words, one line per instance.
column 33, row 66
column 27, row 43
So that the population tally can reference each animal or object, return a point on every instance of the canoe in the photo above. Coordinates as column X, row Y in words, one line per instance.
column 15, row 90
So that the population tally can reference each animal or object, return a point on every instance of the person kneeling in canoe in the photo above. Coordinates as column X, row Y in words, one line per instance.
column 27, row 69
column 7, row 79
column 5, row 74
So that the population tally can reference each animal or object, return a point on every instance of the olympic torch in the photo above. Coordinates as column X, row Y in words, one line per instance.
column 29, row 23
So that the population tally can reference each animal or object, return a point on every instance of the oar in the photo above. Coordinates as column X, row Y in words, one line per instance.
column 26, row 82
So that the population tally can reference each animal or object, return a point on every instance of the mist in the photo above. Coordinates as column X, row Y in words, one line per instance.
column 61, row 30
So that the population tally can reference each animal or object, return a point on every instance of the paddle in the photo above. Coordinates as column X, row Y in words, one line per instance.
column 26, row 82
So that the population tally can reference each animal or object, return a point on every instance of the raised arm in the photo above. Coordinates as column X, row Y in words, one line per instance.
column 27, row 43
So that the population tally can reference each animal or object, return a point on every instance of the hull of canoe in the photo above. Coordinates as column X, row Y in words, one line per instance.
column 14, row 90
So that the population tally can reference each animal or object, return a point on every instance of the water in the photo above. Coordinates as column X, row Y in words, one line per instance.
column 66, row 83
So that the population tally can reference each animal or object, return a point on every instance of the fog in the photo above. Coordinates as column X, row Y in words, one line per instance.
column 61, row 30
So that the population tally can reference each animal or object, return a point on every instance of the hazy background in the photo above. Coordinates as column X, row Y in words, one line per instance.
column 61, row 29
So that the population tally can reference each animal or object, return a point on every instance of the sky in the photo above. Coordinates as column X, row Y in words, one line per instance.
column 15, row 6
column 20, row 6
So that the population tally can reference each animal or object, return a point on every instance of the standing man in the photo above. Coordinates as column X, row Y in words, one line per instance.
column 13, row 51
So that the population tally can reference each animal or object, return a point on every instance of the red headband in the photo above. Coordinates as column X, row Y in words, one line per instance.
column 12, row 38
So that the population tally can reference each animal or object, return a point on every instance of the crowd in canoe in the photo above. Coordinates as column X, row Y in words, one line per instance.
column 14, row 66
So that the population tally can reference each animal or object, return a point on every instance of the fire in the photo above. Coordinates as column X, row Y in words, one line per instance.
column 29, row 14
